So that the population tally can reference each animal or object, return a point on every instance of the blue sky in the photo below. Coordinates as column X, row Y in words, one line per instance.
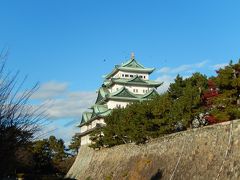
column 69, row 45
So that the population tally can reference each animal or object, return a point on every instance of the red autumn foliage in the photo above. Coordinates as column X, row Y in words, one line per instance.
column 210, row 93
column 207, row 100
column 211, row 119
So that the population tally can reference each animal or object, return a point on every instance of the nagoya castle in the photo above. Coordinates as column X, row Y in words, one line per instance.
column 127, row 83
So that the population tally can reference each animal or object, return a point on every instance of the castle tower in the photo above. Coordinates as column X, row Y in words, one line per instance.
column 127, row 83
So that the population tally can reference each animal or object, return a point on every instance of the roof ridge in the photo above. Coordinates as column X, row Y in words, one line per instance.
column 131, row 61
column 121, row 90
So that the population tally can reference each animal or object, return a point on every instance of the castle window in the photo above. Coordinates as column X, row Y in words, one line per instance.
column 126, row 75
column 144, row 77
column 135, row 90
column 131, row 75
column 122, row 75
column 140, row 76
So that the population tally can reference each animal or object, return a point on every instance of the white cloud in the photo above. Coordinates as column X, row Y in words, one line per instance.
column 167, row 80
column 218, row 66
column 72, row 105
column 63, row 107
column 50, row 90
column 164, row 70
column 201, row 64
column 169, row 74
column 181, row 68
column 187, row 68
column 62, row 103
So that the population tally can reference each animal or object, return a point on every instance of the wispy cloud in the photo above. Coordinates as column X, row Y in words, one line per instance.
column 167, row 80
column 189, row 68
column 168, row 74
column 72, row 105
column 63, row 107
column 63, row 103
column 218, row 66
column 164, row 70
column 50, row 90
column 201, row 64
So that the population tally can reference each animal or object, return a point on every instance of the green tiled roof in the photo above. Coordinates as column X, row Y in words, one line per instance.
column 102, row 93
column 97, row 111
column 100, row 109
column 86, row 116
column 123, row 92
column 137, row 79
column 133, row 81
column 150, row 94
column 130, row 66
column 132, row 63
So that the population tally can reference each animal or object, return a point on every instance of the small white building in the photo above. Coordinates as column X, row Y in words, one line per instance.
column 127, row 83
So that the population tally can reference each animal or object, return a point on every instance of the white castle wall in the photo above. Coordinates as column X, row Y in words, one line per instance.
column 83, row 128
column 114, row 104
column 134, row 89
column 122, row 74
column 86, row 139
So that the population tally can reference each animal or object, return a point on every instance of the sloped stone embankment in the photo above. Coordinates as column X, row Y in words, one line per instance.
column 211, row 152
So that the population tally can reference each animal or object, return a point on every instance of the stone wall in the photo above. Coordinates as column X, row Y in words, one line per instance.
column 212, row 152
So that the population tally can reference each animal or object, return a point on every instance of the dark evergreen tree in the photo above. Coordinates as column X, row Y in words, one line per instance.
column 226, row 104
column 75, row 144
column 211, row 100
column 19, row 121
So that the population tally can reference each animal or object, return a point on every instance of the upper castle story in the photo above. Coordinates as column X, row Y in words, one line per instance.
column 130, row 69
column 126, row 84
column 132, row 75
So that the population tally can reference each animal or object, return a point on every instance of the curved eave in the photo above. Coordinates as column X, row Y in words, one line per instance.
column 129, row 69
column 90, row 130
column 96, row 116
column 114, row 71
column 140, row 70
column 137, row 97
column 99, row 98
column 101, row 95
column 128, row 99
column 99, row 111
column 152, row 92
column 102, row 102
column 86, row 116
column 137, row 83
column 115, row 94
column 109, row 84
column 104, row 114
column 106, row 83
column 124, row 98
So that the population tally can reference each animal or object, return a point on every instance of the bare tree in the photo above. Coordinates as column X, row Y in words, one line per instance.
column 19, row 120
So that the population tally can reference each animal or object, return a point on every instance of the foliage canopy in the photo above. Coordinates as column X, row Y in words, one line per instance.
column 174, row 110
